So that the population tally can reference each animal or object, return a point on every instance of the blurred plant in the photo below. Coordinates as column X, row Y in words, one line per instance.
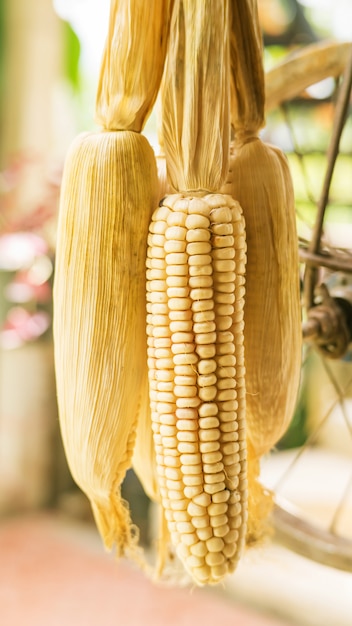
column 27, row 226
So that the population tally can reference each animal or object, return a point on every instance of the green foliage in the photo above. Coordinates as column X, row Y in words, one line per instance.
column 72, row 51
column 273, row 55
column 2, row 37
column 296, row 434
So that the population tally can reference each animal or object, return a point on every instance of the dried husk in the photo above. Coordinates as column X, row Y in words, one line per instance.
column 247, row 74
column 195, row 96
column 107, row 198
column 109, row 191
column 260, row 503
column 260, row 180
column 133, row 62
column 164, row 187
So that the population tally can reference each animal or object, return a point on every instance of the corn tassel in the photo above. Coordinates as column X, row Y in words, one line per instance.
column 108, row 193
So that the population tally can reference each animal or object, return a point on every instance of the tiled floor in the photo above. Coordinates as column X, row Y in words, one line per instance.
column 55, row 573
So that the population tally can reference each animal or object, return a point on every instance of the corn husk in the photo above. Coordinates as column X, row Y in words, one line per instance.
column 260, row 503
column 144, row 463
column 132, row 63
column 108, row 193
column 195, row 97
column 259, row 178
column 247, row 74
column 272, row 309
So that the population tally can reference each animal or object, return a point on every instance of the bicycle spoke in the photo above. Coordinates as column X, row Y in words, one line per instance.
column 340, row 394
column 340, row 508
column 312, row 437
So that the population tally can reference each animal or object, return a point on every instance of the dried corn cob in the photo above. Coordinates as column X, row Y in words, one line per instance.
column 109, row 191
column 195, row 295
column 260, row 180
column 196, row 262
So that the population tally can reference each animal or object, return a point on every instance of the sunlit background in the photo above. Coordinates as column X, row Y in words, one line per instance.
column 50, row 54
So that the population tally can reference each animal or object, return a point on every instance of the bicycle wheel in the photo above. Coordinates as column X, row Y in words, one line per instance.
column 312, row 480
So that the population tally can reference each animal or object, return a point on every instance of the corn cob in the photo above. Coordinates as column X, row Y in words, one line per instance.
column 109, row 191
column 196, row 260
column 260, row 180
column 195, row 297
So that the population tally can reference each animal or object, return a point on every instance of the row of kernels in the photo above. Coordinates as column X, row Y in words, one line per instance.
column 205, row 330
column 232, row 538
column 204, row 306
column 227, row 384
column 163, row 419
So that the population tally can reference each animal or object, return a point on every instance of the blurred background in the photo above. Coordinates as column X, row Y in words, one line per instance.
column 50, row 53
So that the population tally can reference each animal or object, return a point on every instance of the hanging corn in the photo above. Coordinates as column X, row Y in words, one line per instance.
column 109, row 191
column 260, row 180
column 195, row 297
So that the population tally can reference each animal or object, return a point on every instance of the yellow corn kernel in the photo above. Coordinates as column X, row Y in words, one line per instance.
column 206, row 481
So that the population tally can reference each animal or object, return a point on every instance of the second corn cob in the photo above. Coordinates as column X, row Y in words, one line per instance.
column 195, row 297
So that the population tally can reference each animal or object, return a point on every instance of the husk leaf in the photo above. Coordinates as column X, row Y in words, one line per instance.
column 195, row 96
column 108, row 193
column 247, row 72
column 133, row 62
column 261, row 182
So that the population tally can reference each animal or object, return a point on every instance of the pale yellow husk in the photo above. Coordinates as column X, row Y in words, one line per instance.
column 195, row 96
column 144, row 463
column 260, row 180
column 133, row 62
column 99, row 321
column 247, row 75
column 260, row 503
column 109, row 191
